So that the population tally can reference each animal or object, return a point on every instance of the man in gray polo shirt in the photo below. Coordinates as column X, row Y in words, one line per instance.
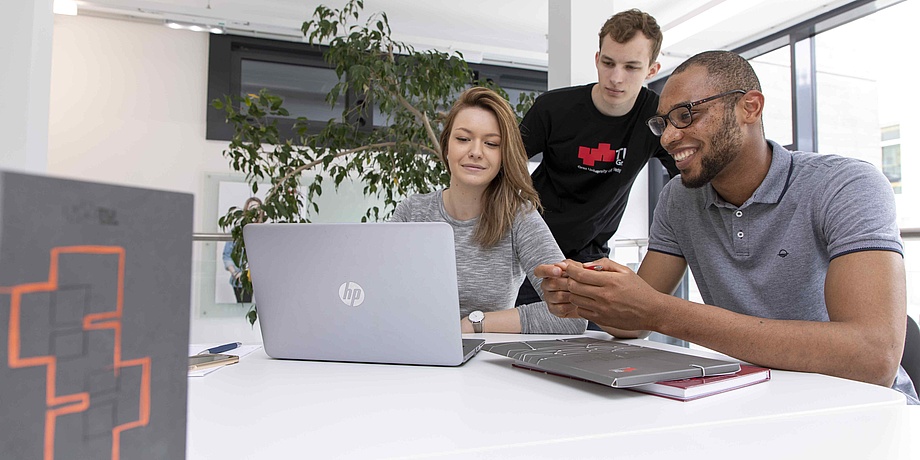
column 797, row 255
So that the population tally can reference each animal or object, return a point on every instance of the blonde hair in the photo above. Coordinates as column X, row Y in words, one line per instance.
column 512, row 189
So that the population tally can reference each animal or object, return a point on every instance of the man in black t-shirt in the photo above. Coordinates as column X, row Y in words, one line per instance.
column 594, row 140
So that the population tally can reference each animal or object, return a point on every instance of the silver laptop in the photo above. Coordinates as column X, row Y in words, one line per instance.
column 373, row 292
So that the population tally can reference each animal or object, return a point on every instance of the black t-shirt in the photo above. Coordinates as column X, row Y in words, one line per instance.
column 590, row 162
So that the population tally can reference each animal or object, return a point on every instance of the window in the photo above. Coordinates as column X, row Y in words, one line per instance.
column 297, row 72
column 864, row 109
column 244, row 65
column 514, row 81
column 773, row 70
column 304, row 88
column 891, row 156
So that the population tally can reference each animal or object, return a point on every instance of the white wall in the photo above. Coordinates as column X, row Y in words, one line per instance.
column 128, row 106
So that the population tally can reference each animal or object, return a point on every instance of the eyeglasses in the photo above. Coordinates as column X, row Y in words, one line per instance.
column 681, row 116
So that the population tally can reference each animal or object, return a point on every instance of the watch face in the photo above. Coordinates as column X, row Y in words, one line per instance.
column 476, row 316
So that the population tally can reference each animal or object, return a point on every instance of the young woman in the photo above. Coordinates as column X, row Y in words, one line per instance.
column 491, row 204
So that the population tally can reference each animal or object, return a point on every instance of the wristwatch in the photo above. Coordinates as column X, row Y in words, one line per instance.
column 476, row 318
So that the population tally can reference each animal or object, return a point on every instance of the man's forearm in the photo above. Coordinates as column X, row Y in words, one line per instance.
column 841, row 349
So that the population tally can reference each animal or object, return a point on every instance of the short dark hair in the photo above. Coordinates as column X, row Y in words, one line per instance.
column 622, row 27
column 727, row 70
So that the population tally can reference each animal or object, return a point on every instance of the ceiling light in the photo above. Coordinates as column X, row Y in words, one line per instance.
column 195, row 27
column 68, row 7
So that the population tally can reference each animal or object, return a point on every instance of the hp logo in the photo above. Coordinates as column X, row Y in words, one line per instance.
column 351, row 294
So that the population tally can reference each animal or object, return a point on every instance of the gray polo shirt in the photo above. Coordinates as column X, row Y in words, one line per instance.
column 769, row 256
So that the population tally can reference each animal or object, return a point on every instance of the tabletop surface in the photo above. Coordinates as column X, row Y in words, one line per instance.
column 487, row 409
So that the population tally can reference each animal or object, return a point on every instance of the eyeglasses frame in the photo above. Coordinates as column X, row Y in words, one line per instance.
column 667, row 117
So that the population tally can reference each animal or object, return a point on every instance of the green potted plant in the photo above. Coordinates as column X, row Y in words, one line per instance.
column 412, row 89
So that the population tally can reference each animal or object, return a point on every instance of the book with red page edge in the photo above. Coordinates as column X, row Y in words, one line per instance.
column 700, row 387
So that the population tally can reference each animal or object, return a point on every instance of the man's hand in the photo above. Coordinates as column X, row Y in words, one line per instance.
column 605, row 292
column 612, row 295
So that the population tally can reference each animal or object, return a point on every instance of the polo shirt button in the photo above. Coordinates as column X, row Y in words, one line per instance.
column 738, row 213
column 740, row 234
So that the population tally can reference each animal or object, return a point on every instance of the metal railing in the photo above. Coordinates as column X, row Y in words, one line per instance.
column 211, row 237
column 626, row 242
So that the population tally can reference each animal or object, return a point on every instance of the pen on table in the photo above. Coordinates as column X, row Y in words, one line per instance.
column 222, row 348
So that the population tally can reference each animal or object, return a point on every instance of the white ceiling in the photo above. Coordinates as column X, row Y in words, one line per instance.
column 501, row 30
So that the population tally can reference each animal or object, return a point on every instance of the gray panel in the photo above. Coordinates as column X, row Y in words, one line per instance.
column 95, row 283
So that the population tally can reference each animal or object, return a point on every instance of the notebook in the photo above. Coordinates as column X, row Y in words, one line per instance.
column 95, row 289
column 370, row 292
column 701, row 387
column 609, row 363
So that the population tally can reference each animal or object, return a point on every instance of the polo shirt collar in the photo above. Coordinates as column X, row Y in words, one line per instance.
column 773, row 187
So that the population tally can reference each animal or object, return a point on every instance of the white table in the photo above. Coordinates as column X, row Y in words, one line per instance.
column 274, row 409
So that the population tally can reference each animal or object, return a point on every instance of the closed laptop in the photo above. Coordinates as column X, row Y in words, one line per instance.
column 610, row 363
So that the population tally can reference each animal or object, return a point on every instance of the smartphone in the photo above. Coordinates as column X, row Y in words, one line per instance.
column 205, row 361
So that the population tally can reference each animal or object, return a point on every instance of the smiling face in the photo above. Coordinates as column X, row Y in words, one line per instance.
column 622, row 69
column 474, row 154
column 711, row 144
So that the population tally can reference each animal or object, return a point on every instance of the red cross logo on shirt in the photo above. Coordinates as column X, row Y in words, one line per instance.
column 601, row 153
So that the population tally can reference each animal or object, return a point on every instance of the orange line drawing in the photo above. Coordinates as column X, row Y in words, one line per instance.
column 58, row 405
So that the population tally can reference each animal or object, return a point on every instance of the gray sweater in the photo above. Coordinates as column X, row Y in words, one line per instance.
column 489, row 278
